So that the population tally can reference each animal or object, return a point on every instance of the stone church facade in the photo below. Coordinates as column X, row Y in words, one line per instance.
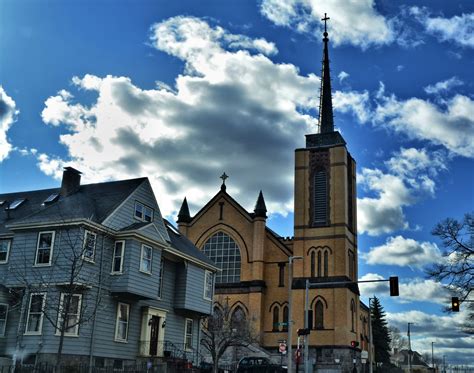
column 254, row 259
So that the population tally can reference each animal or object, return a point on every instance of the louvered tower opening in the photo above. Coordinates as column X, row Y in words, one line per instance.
column 320, row 198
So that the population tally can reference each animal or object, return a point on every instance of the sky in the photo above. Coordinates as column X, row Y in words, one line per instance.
column 181, row 91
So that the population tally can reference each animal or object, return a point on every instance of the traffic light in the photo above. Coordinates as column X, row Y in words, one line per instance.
column 302, row 331
column 394, row 286
column 354, row 344
column 455, row 304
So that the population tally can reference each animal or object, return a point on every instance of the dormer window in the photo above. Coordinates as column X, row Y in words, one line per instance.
column 16, row 203
column 51, row 198
column 143, row 212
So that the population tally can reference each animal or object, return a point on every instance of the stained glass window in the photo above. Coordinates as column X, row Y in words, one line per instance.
column 223, row 250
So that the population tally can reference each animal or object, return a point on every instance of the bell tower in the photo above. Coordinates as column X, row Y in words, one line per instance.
column 325, row 225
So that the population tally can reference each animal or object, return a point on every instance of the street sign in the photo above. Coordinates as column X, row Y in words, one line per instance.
column 364, row 354
column 282, row 347
column 281, row 324
column 364, row 361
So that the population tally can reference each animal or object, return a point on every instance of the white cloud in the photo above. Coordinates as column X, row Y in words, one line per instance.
column 443, row 86
column 227, row 105
column 457, row 29
column 8, row 113
column 352, row 101
column 400, row 251
column 451, row 126
column 342, row 75
column 410, row 176
column 400, row 67
column 355, row 22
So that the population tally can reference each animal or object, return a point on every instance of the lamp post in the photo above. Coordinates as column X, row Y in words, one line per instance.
column 290, row 306
column 432, row 355
column 409, row 347
column 371, row 367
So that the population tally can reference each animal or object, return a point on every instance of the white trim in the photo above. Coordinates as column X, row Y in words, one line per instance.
column 129, row 197
column 40, row 331
column 186, row 347
column 144, row 206
column 161, row 276
column 120, row 271
column 51, row 249
column 9, row 244
column 2, row 332
column 117, row 339
column 208, row 273
column 86, row 258
column 76, row 327
column 151, row 259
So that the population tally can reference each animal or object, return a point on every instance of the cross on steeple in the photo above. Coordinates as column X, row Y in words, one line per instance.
column 325, row 19
column 224, row 177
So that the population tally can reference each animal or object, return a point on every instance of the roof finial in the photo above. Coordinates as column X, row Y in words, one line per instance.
column 224, row 177
column 326, row 120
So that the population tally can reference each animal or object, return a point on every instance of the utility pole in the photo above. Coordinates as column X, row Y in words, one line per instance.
column 409, row 347
column 306, row 325
column 432, row 355
column 371, row 367
column 290, row 307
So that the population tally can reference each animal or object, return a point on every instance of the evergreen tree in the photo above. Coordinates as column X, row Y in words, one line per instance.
column 380, row 333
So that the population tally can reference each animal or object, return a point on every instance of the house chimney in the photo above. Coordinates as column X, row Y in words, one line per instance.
column 71, row 181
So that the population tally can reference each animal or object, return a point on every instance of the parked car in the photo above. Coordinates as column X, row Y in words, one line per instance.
column 255, row 364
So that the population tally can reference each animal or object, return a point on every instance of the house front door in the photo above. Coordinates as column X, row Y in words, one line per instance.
column 154, row 333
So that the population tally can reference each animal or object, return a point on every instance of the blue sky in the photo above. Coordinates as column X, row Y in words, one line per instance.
column 182, row 91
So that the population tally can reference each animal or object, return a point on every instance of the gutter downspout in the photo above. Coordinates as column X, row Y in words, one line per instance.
column 97, row 301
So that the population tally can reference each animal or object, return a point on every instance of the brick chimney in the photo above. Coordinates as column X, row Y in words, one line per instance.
column 71, row 181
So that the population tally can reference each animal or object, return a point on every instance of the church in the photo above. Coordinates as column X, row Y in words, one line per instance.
column 255, row 261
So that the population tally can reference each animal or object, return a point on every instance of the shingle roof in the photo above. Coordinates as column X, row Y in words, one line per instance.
column 91, row 201
column 181, row 243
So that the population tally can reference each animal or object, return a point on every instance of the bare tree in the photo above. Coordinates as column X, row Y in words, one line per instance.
column 456, row 271
column 226, row 328
column 397, row 340
column 66, row 293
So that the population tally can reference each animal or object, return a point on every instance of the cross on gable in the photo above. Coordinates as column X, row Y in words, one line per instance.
column 325, row 19
column 224, row 177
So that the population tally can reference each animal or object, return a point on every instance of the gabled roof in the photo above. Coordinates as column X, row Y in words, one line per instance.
column 92, row 201
column 181, row 243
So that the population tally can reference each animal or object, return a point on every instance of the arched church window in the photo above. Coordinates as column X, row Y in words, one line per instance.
column 238, row 318
column 225, row 252
column 285, row 318
column 352, row 315
column 313, row 265
column 320, row 197
column 319, row 263
column 276, row 319
column 319, row 315
column 217, row 318
column 326, row 260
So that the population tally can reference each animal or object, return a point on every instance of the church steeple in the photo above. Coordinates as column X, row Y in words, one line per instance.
column 326, row 120
column 183, row 215
column 260, row 209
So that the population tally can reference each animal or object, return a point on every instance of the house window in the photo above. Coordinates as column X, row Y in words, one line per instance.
column 71, row 324
column 34, row 323
column 4, row 251
column 281, row 274
column 223, row 250
column 3, row 318
column 143, row 212
column 88, row 252
column 285, row 319
column 276, row 319
column 188, row 334
column 121, row 324
column 117, row 259
column 160, row 277
column 208, row 277
column 44, row 248
column 319, row 315
column 146, row 258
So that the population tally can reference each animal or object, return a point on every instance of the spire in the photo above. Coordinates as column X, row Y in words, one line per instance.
column 326, row 121
column 260, row 209
column 183, row 215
